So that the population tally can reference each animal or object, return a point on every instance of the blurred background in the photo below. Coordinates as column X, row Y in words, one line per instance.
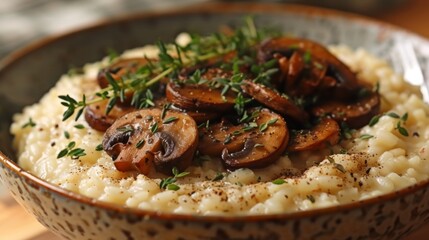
column 25, row 21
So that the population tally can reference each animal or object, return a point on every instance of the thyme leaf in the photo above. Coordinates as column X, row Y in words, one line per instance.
column 140, row 143
column 219, row 176
column 366, row 136
column 393, row 115
column 170, row 120
column 374, row 120
column 154, row 127
column 99, row 147
column 79, row 126
column 169, row 182
column 71, row 151
column 264, row 126
column 171, row 59
column 279, row 181
column 29, row 123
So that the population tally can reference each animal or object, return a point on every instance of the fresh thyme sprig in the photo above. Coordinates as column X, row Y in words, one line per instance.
column 264, row 126
column 279, row 181
column 72, row 151
column 399, row 125
column 171, row 59
column 29, row 123
column 168, row 183
column 219, row 176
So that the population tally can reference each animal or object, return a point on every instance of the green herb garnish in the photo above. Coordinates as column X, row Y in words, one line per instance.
column 393, row 115
column 170, row 120
column 264, row 126
column 168, row 183
column 140, row 143
column 219, row 176
column 79, row 126
column 171, row 59
column 279, row 181
column 29, row 123
column 71, row 151
column 307, row 57
column 366, row 136
column 374, row 120
column 99, row 147
column 403, row 131
column 66, row 135
column 346, row 131
column 154, row 127
column 165, row 107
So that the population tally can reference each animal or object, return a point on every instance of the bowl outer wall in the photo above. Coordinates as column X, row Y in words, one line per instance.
column 45, row 61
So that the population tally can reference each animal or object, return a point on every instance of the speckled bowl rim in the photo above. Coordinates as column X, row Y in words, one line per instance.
column 210, row 8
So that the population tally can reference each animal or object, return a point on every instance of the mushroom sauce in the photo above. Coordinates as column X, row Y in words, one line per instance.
column 296, row 127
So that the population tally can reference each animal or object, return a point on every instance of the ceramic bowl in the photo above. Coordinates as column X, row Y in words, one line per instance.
column 29, row 73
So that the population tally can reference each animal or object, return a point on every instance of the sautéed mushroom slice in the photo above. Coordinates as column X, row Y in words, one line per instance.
column 308, row 83
column 355, row 114
column 96, row 117
column 324, row 134
column 272, row 99
column 120, row 70
column 141, row 140
column 346, row 83
column 246, row 146
column 202, row 93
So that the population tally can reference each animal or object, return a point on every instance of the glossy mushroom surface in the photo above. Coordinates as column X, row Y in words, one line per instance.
column 199, row 97
column 202, row 93
column 143, row 139
column 297, row 80
column 253, row 144
column 346, row 83
column 274, row 100
column 98, row 119
column 324, row 134
column 355, row 114
column 120, row 68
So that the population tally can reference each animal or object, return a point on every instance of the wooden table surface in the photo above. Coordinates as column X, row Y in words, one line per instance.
column 16, row 224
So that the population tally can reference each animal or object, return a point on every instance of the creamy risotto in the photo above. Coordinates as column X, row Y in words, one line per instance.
column 388, row 153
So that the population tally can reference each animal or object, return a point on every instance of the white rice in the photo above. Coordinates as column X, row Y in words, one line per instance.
column 384, row 163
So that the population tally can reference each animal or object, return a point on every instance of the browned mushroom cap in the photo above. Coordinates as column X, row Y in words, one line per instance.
column 264, row 148
column 275, row 101
column 346, row 81
column 197, row 115
column 325, row 133
column 120, row 68
column 141, row 140
column 296, row 65
column 96, row 117
column 311, row 73
column 203, row 97
column 199, row 97
column 355, row 114
column 252, row 145
column 216, row 137
column 228, row 57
